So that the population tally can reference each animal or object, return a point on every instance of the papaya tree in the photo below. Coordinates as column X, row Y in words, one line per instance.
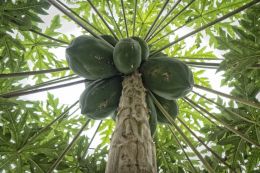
column 143, row 86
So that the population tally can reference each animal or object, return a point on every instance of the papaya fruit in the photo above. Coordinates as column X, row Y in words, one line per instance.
column 144, row 48
column 110, row 39
column 170, row 106
column 101, row 98
column 127, row 55
column 152, row 114
column 91, row 58
column 167, row 77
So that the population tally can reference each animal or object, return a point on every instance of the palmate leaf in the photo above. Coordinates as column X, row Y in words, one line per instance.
column 243, row 54
column 37, row 50
column 202, row 12
column 16, row 131
column 55, row 24
column 231, row 142
column 21, row 17
column 11, row 54
column 16, row 16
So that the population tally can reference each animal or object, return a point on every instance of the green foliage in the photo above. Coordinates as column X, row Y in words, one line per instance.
column 15, row 17
column 25, row 145
column 242, row 55
column 18, row 47
column 22, row 48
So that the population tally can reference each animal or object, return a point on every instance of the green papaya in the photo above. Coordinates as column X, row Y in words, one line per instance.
column 127, row 55
column 101, row 98
column 144, row 48
column 153, row 114
column 91, row 58
column 167, row 77
column 110, row 39
column 170, row 106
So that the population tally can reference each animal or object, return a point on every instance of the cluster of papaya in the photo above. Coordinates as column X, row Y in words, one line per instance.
column 105, row 61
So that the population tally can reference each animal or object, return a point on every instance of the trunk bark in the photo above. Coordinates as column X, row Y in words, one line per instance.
column 132, row 149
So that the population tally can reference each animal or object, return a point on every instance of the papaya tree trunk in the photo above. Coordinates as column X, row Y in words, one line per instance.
column 132, row 149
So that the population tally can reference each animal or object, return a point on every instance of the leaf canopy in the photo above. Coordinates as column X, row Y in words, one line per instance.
column 34, row 133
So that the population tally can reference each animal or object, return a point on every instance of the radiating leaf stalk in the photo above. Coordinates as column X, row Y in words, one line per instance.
column 147, row 16
column 49, row 37
column 91, row 140
column 43, row 89
column 47, row 127
column 166, row 164
column 77, row 21
column 7, row 161
column 72, row 113
column 172, row 19
column 67, row 149
column 257, row 134
column 103, row 20
column 190, row 21
column 209, row 65
column 205, row 67
column 240, row 100
column 47, row 83
column 36, row 165
column 114, row 20
column 202, row 59
column 186, row 155
column 227, row 126
column 123, row 9
column 201, row 113
column 169, row 33
column 208, row 148
column 255, row 67
column 37, row 32
column 207, row 25
column 45, row 43
column 238, row 147
column 28, row 73
column 156, row 19
column 76, row 14
column 57, row 79
column 202, row 63
column 134, row 17
column 227, row 110
column 164, row 18
column 170, row 119
column 205, row 163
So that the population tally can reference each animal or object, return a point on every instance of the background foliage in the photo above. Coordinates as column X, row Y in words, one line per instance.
column 27, row 146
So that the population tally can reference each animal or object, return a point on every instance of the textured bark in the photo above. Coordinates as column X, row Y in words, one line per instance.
column 132, row 149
